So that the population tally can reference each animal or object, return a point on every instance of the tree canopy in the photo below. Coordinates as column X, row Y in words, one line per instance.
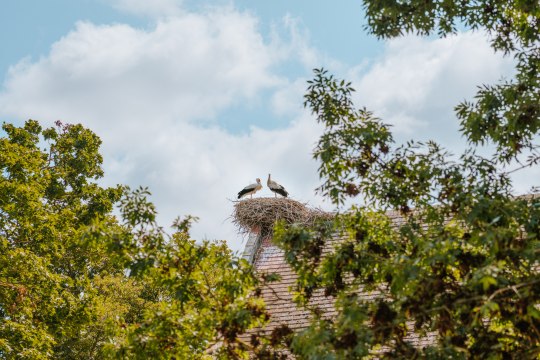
column 462, row 261
column 79, row 281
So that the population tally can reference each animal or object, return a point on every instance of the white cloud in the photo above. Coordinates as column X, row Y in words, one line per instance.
column 292, row 40
column 298, row 42
column 201, row 170
column 416, row 82
column 191, row 67
column 153, row 96
column 289, row 98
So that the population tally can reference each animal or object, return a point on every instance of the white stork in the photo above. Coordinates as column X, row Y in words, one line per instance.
column 276, row 188
column 250, row 189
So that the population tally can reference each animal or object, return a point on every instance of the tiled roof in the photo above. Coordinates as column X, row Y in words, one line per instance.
column 269, row 258
column 278, row 299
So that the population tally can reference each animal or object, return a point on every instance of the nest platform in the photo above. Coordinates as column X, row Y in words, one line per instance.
column 258, row 215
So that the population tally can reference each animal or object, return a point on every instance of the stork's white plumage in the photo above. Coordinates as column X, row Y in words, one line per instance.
column 276, row 188
column 250, row 189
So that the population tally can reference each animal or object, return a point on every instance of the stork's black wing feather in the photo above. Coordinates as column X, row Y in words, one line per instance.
column 247, row 190
column 244, row 191
column 281, row 191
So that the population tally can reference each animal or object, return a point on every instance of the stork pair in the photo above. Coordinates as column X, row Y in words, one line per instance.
column 272, row 185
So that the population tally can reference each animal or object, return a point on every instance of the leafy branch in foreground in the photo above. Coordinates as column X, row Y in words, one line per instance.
column 508, row 113
column 444, row 249
column 78, row 283
column 206, row 296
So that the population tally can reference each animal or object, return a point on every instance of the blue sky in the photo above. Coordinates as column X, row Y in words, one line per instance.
column 196, row 99
column 29, row 27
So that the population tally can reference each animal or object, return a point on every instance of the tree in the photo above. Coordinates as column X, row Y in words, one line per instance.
column 47, row 200
column 76, row 282
column 462, row 261
column 207, row 297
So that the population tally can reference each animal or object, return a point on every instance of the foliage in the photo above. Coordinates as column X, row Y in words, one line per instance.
column 77, row 283
column 443, row 245
column 206, row 296
column 457, row 258
column 47, row 200
column 506, row 114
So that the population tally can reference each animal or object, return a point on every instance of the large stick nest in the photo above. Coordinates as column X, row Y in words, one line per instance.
column 259, row 215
